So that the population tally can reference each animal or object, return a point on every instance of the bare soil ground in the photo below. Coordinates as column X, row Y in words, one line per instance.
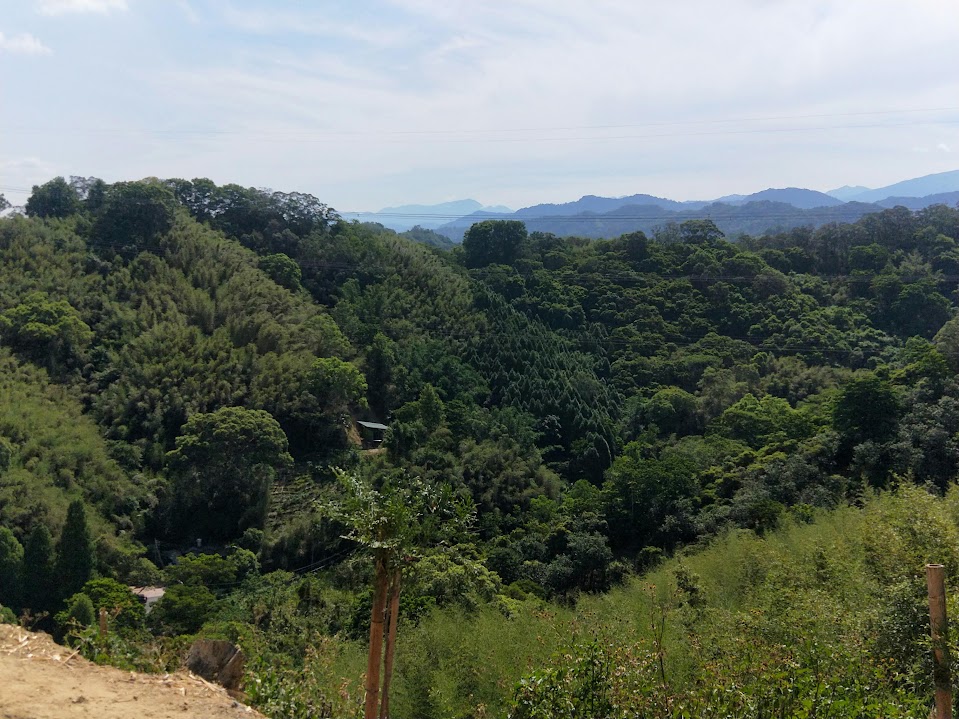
column 40, row 679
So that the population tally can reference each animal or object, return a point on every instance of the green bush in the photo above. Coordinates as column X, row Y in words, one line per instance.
column 182, row 609
column 125, row 609
column 79, row 614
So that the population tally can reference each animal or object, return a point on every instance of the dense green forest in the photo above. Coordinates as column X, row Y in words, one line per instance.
column 691, row 458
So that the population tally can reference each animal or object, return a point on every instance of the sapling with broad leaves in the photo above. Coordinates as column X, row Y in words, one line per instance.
column 395, row 518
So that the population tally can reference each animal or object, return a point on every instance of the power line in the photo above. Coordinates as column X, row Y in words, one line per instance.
column 799, row 213
column 479, row 131
column 316, row 139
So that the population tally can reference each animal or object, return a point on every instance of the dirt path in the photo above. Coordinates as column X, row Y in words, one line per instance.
column 42, row 680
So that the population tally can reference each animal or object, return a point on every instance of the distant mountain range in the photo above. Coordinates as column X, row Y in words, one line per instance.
column 936, row 184
column 917, row 203
column 847, row 192
column 592, row 216
column 429, row 217
column 795, row 196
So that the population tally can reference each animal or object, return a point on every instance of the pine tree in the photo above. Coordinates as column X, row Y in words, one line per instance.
column 11, row 567
column 38, row 566
column 380, row 361
column 75, row 551
column 432, row 411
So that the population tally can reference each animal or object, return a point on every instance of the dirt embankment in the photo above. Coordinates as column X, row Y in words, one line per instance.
column 40, row 679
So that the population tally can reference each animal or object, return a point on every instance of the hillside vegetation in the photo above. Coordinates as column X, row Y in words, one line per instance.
column 183, row 365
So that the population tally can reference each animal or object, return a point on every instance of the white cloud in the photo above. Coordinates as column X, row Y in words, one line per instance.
column 382, row 102
column 23, row 44
column 943, row 147
column 33, row 166
column 311, row 20
column 192, row 15
column 650, row 101
column 63, row 7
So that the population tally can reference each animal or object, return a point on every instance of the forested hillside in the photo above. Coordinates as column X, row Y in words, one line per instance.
column 184, row 365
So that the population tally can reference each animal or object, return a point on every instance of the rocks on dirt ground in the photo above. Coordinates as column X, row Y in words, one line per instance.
column 39, row 679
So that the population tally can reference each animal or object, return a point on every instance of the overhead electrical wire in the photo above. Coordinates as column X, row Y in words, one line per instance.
column 818, row 213
column 306, row 137
column 492, row 131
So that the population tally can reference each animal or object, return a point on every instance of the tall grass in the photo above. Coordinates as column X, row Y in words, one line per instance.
column 834, row 605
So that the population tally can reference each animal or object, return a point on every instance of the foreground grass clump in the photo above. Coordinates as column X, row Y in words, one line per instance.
column 826, row 618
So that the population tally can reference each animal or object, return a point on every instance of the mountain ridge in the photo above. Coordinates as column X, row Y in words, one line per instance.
column 405, row 217
column 798, row 197
column 934, row 184
column 769, row 209
column 597, row 216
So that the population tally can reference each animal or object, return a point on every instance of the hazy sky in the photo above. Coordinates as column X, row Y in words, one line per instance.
column 383, row 102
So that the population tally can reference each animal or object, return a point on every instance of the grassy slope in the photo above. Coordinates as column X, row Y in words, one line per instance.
column 843, row 595
column 57, row 455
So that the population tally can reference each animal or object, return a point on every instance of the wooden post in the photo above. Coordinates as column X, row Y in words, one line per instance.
column 376, row 639
column 391, row 643
column 103, row 623
column 936, row 586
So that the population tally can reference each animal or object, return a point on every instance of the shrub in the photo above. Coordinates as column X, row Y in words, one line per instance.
column 182, row 609
column 123, row 606
column 79, row 614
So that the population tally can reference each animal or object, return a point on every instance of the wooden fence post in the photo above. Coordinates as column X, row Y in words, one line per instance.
column 103, row 623
column 936, row 586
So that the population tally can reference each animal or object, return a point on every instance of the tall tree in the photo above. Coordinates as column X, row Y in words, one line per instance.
column 11, row 568
column 337, row 384
column 75, row 554
column 52, row 199
column 283, row 270
column 49, row 331
column 431, row 408
column 380, row 362
column 224, row 463
column 867, row 408
column 700, row 232
column 39, row 593
column 134, row 216
column 493, row 242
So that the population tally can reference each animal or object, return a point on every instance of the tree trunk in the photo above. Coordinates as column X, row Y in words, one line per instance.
column 376, row 638
column 391, row 643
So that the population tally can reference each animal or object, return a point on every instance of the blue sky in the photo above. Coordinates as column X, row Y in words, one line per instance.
column 369, row 104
